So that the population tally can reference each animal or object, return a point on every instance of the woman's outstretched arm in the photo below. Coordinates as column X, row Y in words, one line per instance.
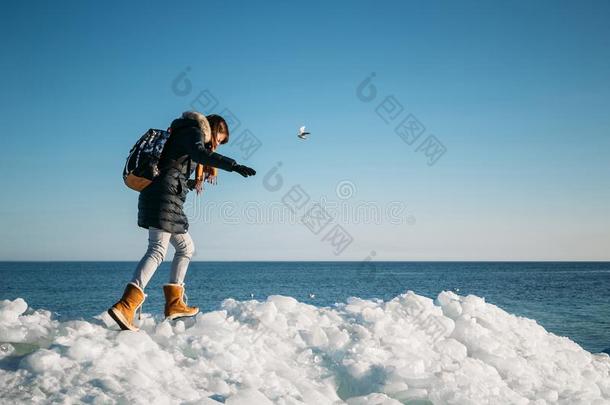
column 200, row 154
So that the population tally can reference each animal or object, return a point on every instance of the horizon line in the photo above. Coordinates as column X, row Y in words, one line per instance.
column 325, row 261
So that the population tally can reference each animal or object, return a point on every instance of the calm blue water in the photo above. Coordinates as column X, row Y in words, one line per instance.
column 569, row 299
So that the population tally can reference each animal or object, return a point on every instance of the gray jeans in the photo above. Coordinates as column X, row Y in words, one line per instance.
column 158, row 241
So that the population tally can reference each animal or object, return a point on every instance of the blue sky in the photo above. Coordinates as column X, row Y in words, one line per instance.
column 516, row 92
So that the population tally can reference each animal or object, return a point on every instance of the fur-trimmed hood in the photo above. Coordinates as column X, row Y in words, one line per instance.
column 194, row 119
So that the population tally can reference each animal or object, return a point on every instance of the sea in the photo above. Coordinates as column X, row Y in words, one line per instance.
column 570, row 299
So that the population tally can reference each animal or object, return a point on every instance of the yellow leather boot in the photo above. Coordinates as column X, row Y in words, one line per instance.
column 175, row 307
column 124, row 310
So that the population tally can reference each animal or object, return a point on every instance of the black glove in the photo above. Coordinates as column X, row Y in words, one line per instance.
column 190, row 183
column 244, row 170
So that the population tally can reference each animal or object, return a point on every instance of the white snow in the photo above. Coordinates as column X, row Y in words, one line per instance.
column 409, row 350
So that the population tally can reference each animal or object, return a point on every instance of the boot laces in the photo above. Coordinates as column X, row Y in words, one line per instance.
column 140, row 307
column 185, row 297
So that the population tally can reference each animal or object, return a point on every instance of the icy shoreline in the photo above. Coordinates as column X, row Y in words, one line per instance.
column 411, row 349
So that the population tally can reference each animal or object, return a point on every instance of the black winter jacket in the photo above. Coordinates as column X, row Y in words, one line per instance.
column 160, row 205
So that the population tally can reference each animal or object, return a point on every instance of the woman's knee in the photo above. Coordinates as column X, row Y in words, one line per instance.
column 156, row 251
column 184, row 246
column 158, row 240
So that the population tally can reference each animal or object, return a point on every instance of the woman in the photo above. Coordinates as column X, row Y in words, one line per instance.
column 192, row 142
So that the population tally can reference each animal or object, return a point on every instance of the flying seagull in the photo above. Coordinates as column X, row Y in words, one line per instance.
column 302, row 133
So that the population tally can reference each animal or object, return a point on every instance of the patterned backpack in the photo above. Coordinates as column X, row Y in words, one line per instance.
column 142, row 164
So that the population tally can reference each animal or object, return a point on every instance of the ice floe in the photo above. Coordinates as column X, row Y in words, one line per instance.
column 409, row 350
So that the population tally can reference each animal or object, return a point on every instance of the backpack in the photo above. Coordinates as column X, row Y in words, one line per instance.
column 142, row 163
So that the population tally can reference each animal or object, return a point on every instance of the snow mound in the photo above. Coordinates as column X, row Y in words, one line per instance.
column 409, row 350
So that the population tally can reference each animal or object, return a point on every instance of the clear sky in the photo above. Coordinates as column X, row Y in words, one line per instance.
column 516, row 92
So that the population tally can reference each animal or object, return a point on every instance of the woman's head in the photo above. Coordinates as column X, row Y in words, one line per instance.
column 214, row 127
column 219, row 128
